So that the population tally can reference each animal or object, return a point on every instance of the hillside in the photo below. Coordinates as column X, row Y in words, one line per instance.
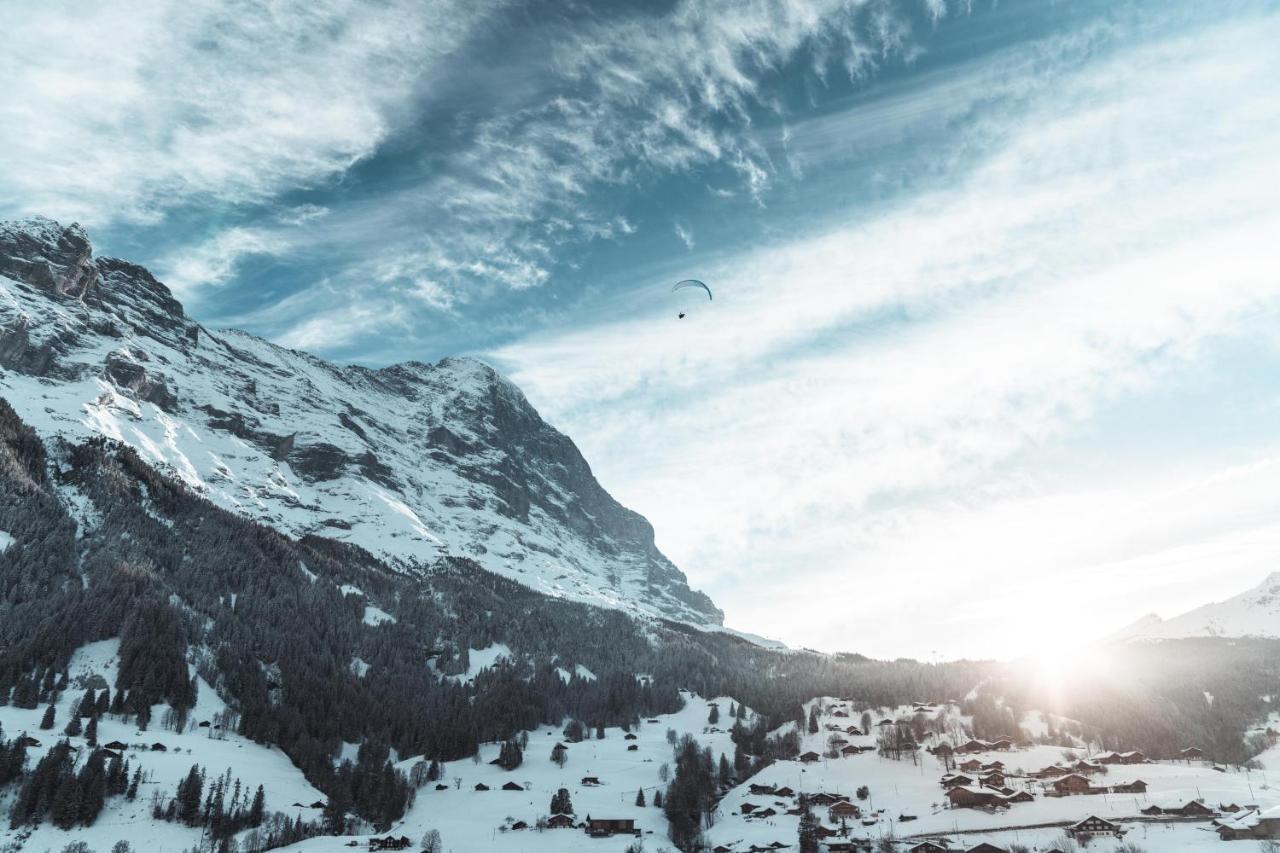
column 1252, row 613
column 411, row 462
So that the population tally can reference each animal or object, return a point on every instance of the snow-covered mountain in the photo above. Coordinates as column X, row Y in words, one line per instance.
column 1253, row 613
column 412, row 461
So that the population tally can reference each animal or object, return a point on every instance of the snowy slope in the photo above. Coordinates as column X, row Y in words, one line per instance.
column 253, row 763
column 1253, row 613
column 410, row 461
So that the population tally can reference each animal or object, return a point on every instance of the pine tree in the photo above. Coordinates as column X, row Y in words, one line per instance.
column 561, row 803
column 725, row 772
column 657, row 799
column 640, row 798
column 258, row 808
column 91, row 732
column 808, row 827
column 46, row 722
column 88, row 705
column 132, row 793
column 714, row 716
column 190, row 790
column 813, row 720
column 73, row 728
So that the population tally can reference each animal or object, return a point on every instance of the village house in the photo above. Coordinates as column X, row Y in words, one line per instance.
column 824, row 799
column 1002, row 744
column 756, row 788
column 986, row 847
column 927, row 847
column 964, row 797
column 764, row 814
column 994, row 779
column 480, row 786
column 116, row 745
column 1137, row 786
column 1053, row 771
column 603, row 827
column 590, row 781
column 1192, row 753
column 389, row 843
column 560, row 821
column 957, row 780
column 784, row 792
column 1093, row 827
column 974, row 746
column 1072, row 783
column 1018, row 796
column 1087, row 767
column 748, row 808
column 971, row 766
column 1251, row 824
column 512, row 786
column 810, row 757
column 843, row 809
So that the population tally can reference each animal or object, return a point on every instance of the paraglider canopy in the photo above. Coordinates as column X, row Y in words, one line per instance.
column 691, row 282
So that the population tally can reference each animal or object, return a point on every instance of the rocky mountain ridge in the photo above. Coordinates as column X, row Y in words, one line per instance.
column 411, row 462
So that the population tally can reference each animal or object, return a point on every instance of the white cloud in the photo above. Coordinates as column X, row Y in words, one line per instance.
column 122, row 110
column 214, row 261
column 852, row 390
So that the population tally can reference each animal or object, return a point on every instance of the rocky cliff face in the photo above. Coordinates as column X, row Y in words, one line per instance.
column 411, row 462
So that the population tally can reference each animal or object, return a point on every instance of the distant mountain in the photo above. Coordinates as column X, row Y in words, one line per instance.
column 412, row 462
column 1253, row 613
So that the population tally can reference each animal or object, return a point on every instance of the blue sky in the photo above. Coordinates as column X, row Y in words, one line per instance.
column 996, row 283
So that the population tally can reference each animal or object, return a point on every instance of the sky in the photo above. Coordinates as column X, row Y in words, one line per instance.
column 993, row 349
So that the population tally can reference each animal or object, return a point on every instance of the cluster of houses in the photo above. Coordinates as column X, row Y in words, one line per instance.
column 1082, row 831
column 1250, row 823
column 980, row 785
column 595, row 827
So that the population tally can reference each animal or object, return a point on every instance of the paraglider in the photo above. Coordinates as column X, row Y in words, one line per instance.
column 688, row 283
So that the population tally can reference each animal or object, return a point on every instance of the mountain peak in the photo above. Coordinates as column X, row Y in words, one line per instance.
column 1252, row 613
column 412, row 462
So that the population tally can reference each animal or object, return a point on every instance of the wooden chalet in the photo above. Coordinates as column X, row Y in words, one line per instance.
column 1109, row 758
column 943, row 749
column 1002, row 744
column 513, row 786
column 440, row 786
column 844, row 809
column 1094, row 827
column 1053, row 771
column 116, row 745
column 1192, row 753
column 1137, row 786
column 957, row 780
column 971, row 766
column 1070, row 784
column 630, row 736
column 986, row 847
column 390, row 843
column 852, row 730
column 561, row 821
column 759, row 789
column 1152, row 811
column 784, row 791
column 520, row 824
column 964, row 797
column 1018, row 796
column 748, row 808
column 1251, row 824
column 590, row 781
column 994, row 779
column 927, row 847
column 631, row 747
column 824, row 799
column 1194, row 808
column 765, row 814
column 825, row 832
column 974, row 746
column 1087, row 767
column 993, row 765
column 480, row 786
column 604, row 827
column 159, row 747
column 1132, row 757
column 810, row 757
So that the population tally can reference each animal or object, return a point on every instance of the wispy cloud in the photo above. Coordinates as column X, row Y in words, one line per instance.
column 854, row 385
column 123, row 111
